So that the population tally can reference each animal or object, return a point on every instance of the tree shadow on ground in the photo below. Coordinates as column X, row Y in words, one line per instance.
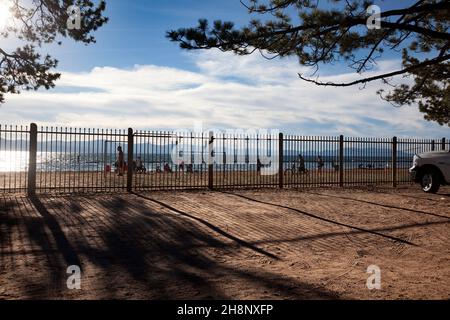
column 132, row 247
column 30, row 230
column 382, row 205
column 318, row 217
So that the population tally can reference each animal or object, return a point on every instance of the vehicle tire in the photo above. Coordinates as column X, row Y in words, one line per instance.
column 429, row 181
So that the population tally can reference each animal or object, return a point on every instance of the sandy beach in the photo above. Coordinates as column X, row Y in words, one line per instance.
column 89, row 182
column 264, row 244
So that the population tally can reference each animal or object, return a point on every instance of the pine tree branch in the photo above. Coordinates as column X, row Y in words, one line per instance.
column 381, row 76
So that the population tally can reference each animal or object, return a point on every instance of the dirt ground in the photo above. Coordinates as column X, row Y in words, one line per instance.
column 264, row 244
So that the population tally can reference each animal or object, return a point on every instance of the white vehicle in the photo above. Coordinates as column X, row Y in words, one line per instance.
column 431, row 170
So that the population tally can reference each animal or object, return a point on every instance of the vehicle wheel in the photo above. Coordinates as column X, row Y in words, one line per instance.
column 430, row 181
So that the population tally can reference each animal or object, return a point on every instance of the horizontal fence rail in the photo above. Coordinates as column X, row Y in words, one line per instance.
column 71, row 160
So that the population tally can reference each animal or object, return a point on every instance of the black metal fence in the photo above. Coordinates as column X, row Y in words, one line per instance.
column 78, row 160
column 14, row 157
column 67, row 160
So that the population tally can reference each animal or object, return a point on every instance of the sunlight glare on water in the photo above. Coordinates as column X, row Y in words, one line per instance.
column 13, row 161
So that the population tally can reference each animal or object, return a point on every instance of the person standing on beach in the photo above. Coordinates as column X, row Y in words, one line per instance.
column 320, row 163
column 258, row 165
column 301, row 164
column 181, row 166
column 120, row 161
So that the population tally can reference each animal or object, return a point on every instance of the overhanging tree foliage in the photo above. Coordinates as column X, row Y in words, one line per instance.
column 39, row 22
column 325, row 32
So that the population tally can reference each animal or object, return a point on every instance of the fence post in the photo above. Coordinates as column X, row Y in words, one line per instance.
column 341, row 161
column 280, row 161
column 32, row 160
column 433, row 147
column 210, row 161
column 130, row 160
column 443, row 144
column 394, row 162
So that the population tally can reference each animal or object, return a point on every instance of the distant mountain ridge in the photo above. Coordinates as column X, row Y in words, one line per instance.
column 98, row 146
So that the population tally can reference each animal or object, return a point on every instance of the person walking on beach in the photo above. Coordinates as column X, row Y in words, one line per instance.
column 181, row 166
column 335, row 166
column 301, row 164
column 140, row 167
column 120, row 161
column 320, row 163
column 258, row 165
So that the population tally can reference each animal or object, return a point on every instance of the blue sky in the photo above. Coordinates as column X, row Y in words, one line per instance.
column 136, row 32
column 136, row 77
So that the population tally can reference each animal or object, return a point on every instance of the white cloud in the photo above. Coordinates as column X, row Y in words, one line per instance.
column 227, row 91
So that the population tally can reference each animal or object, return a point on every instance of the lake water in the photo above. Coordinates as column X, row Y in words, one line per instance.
column 15, row 161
